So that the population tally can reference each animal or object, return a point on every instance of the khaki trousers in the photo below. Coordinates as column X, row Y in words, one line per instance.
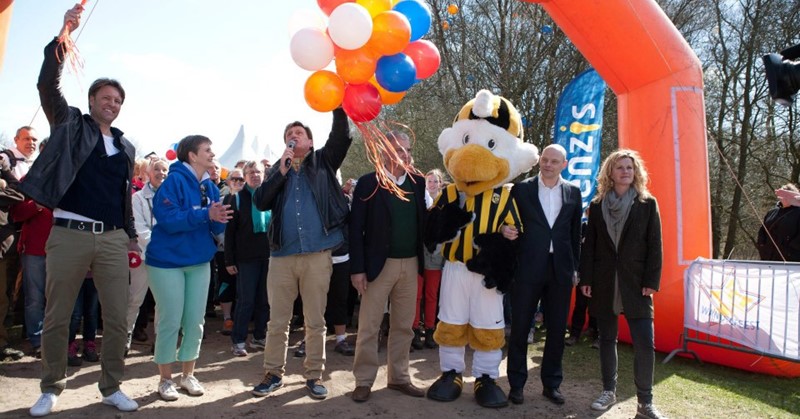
column 396, row 283
column 310, row 275
column 70, row 254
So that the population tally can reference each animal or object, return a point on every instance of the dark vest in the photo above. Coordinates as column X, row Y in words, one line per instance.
column 99, row 188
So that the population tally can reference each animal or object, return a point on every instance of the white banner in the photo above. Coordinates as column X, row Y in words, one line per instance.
column 755, row 304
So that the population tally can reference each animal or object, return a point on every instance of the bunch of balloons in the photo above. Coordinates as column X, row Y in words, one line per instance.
column 377, row 50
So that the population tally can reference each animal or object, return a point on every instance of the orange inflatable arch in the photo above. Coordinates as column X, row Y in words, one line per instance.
column 659, row 86
column 5, row 22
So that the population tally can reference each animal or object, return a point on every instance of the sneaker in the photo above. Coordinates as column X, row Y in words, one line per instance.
column 167, row 391
column 596, row 344
column 316, row 389
column 191, row 385
column 227, row 327
column 121, row 402
column 344, row 348
column 90, row 351
column 258, row 343
column 238, row 349
column 269, row 384
column 300, row 352
column 606, row 400
column 648, row 411
column 416, row 341
column 11, row 353
column 43, row 406
column 531, row 336
column 36, row 352
column 72, row 355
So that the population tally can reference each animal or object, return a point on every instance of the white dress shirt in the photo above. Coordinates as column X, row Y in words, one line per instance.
column 551, row 201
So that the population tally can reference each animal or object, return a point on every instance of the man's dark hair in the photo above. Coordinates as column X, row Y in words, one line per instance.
column 297, row 124
column 103, row 82
column 191, row 143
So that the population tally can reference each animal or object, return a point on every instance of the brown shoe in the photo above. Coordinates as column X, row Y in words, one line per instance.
column 361, row 394
column 408, row 389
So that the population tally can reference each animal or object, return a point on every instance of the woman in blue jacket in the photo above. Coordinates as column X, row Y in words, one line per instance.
column 189, row 216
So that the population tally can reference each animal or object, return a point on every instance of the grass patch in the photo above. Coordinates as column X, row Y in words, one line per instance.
column 686, row 388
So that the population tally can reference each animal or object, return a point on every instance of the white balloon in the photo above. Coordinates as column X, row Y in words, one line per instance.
column 306, row 18
column 350, row 26
column 311, row 49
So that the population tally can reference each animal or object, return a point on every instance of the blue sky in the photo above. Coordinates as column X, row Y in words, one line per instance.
column 188, row 67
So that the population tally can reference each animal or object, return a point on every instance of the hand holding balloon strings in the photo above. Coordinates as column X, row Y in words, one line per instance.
column 67, row 50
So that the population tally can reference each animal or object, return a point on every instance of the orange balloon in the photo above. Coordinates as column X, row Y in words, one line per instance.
column 445, row 25
column 452, row 9
column 356, row 66
column 387, row 97
column 324, row 91
column 375, row 6
column 391, row 32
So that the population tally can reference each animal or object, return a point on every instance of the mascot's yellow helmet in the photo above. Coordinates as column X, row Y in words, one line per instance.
column 494, row 109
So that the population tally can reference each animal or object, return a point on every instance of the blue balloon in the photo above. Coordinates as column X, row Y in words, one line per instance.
column 547, row 29
column 396, row 73
column 174, row 146
column 418, row 14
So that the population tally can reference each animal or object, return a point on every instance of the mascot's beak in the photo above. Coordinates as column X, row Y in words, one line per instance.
column 475, row 168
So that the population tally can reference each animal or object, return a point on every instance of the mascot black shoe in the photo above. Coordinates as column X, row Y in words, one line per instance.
column 488, row 393
column 447, row 388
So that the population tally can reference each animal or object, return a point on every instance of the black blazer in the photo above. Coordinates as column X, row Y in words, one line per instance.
column 534, row 240
column 370, row 229
column 636, row 260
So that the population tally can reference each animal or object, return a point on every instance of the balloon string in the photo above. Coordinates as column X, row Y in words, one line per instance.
column 80, row 31
column 68, row 51
column 380, row 150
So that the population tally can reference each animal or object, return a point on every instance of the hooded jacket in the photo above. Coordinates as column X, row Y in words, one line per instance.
column 183, row 234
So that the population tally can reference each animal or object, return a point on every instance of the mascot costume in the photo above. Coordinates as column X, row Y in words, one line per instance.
column 482, row 151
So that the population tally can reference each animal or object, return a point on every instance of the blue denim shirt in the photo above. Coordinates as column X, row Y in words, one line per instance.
column 302, row 227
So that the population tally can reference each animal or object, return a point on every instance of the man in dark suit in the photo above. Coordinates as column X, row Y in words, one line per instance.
column 385, row 258
column 548, row 257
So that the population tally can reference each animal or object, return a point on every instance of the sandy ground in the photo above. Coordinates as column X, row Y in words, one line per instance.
column 228, row 381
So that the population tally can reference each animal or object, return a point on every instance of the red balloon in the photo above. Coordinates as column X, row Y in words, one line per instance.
column 425, row 56
column 134, row 260
column 171, row 155
column 362, row 102
column 327, row 6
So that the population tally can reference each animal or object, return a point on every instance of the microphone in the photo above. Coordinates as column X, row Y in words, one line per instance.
column 290, row 145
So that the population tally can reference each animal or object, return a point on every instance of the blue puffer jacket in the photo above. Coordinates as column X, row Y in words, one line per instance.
column 183, row 234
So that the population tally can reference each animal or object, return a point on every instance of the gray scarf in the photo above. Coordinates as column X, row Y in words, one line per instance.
column 615, row 214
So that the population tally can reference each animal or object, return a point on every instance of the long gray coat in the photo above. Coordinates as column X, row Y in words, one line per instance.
column 637, row 260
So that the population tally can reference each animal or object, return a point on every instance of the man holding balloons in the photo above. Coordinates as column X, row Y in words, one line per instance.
column 308, row 215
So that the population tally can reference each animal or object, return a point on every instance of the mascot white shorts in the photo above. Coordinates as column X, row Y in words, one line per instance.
column 465, row 300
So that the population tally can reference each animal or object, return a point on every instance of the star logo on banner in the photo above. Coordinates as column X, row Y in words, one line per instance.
column 731, row 299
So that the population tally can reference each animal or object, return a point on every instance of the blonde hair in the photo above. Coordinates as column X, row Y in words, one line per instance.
column 640, row 178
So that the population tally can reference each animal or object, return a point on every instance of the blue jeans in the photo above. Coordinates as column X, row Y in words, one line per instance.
column 33, row 281
column 85, row 307
column 251, row 301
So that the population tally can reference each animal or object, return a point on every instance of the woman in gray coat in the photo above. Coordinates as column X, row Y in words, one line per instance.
column 621, row 270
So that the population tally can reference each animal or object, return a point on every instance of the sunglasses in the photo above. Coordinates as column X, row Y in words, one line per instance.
column 237, row 179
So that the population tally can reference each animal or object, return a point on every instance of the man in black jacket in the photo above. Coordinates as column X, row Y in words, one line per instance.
column 84, row 174
column 308, row 214
column 385, row 258
column 549, row 254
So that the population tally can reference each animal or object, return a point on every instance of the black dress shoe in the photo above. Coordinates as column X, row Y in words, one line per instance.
column 516, row 396
column 488, row 394
column 447, row 387
column 554, row 395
